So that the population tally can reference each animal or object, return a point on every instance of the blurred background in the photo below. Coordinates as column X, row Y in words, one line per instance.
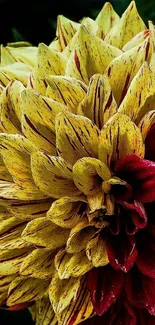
column 35, row 21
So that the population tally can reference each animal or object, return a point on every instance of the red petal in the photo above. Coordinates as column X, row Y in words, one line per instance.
column 140, row 174
column 21, row 306
column 139, row 216
column 140, row 290
column 150, row 208
column 150, row 144
column 146, row 256
column 122, row 252
column 105, row 286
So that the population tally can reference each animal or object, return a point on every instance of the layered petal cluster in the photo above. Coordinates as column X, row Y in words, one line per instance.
column 77, row 173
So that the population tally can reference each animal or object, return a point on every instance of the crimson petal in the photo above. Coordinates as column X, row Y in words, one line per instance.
column 150, row 144
column 122, row 252
column 139, row 216
column 146, row 257
column 140, row 174
column 144, row 318
column 105, row 286
column 140, row 290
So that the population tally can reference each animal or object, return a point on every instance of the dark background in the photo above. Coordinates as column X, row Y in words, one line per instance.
column 35, row 21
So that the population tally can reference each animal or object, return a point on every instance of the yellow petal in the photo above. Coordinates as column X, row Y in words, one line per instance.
column 88, row 174
column 147, row 121
column 66, row 212
column 63, row 292
column 51, row 61
column 96, row 252
column 10, row 234
column 4, row 285
column 24, row 289
column 55, row 45
column 79, row 310
column 42, row 232
column 91, row 55
column 10, row 107
column 137, row 40
column 38, row 125
column 44, row 312
column 66, row 90
column 152, row 32
column 53, row 175
column 15, row 71
column 30, row 209
column 76, row 137
column 123, row 69
column 11, row 259
column 75, row 265
column 141, row 88
column 90, row 24
column 10, row 191
column 38, row 264
column 106, row 19
column 27, row 55
column 99, row 104
column 15, row 151
column 5, row 175
column 129, row 25
column 120, row 137
column 79, row 236
column 66, row 29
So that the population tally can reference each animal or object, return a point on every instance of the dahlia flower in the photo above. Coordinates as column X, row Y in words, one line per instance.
column 77, row 173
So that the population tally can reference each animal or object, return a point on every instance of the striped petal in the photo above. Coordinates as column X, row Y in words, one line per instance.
column 44, row 312
column 76, row 137
column 66, row 29
column 11, row 260
column 42, row 232
column 24, row 289
column 16, row 71
column 96, row 251
column 123, row 69
column 129, row 25
column 10, row 107
column 141, row 88
column 50, row 61
column 106, row 19
column 91, row 55
column 79, row 310
column 137, row 40
column 43, row 260
column 63, row 292
column 38, row 124
column 10, row 191
column 30, row 209
column 4, row 285
column 146, row 123
column 119, row 138
column 53, row 175
column 15, row 151
column 66, row 212
column 99, row 104
column 88, row 174
column 74, row 265
column 66, row 90
column 25, row 54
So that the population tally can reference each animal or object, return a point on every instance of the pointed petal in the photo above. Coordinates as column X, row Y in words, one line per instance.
column 66, row 90
column 91, row 55
column 66, row 29
column 63, row 292
column 44, row 312
column 99, row 104
column 129, row 25
column 66, row 212
column 76, row 137
column 24, row 54
column 96, row 252
column 127, row 66
column 146, row 123
column 50, row 61
column 137, row 40
column 106, row 19
column 88, row 174
column 74, row 265
column 53, row 175
column 26, row 289
column 16, row 71
column 11, row 259
column 39, row 264
column 141, row 88
column 39, row 125
column 10, row 191
column 105, row 286
column 42, row 232
column 30, row 209
column 119, row 138
column 122, row 257
column 16, row 149
column 79, row 310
